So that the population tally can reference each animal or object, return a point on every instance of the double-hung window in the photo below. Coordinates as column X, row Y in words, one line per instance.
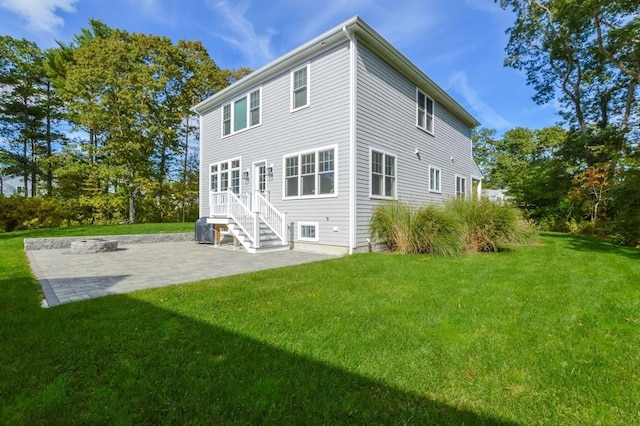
column 225, row 175
column 424, row 111
column 300, row 88
column 461, row 186
column 434, row 179
column 243, row 113
column 310, row 174
column 383, row 175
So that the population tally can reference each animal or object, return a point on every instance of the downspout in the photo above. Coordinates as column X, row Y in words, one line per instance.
column 200, row 174
column 352, row 141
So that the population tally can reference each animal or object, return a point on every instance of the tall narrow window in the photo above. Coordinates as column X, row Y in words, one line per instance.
column 461, row 186
column 383, row 175
column 235, row 176
column 325, row 172
column 310, row 174
column 254, row 112
column 291, row 179
column 300, row 88
column 425, row 112
column 389, row 176
column 434, row 179
column 224, row 176
column 308, row 165
column 226, row 120
column 214, row 177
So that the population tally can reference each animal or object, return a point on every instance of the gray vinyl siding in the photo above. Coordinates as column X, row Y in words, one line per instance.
column 386, row 121
column 325, row 123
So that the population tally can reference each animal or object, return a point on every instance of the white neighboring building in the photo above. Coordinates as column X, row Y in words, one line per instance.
column 497, row 195
column 12, row 184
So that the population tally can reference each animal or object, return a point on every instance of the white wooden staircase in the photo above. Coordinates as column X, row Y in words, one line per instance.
column 259, row 229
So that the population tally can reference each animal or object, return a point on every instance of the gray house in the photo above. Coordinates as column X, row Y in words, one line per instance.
column 307, row 146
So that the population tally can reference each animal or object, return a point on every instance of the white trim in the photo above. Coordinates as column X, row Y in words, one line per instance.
column 229, row 185
column 353, row 93
column 385, row 154
column 455, row 188
column 437, row 191
column 325, row 41
column 252, row 175
column 293, row 71
column 202, row 175
column 231, row 103
column 316, row 225
column 426, row 112
column 310, row 151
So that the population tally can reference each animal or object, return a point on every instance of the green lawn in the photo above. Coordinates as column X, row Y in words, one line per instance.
column 546, row 334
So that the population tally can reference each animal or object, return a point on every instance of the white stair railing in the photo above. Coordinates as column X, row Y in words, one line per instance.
column 218, row 203
column 246, row 220
column 275, row 220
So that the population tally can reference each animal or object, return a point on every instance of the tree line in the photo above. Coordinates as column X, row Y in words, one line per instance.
column 127, row 96
column 584, row 176
column 103, row 124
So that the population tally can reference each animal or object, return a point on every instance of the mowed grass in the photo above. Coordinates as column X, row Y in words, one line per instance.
column 544, row 334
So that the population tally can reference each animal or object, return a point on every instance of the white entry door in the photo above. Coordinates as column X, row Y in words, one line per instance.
column 260, row 178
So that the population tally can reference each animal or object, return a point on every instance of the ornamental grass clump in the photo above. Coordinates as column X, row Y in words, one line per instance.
column 409, row 229
column 461, row 225
column 487, row 225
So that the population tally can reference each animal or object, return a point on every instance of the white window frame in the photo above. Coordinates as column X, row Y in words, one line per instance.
column 385, row 154
column 232, row 113
column 437, row 189
column 423, row 109
column 315, row 225
column 219, row 172
column 464, row 192
column 306, row 66
column 316, row 173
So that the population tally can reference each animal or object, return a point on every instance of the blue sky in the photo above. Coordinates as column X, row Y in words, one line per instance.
column 458, row 43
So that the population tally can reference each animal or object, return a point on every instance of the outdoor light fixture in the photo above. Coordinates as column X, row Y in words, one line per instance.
column 245, row 175
column 417, row 151
column 270, row 170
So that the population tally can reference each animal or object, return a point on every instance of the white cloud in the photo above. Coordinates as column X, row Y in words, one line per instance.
column 241, row 33
column 40, row 14
column 487, row 115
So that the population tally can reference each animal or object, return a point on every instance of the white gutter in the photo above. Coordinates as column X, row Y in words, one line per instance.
column 352, row 141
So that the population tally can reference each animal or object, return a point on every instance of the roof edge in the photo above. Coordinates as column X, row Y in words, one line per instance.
column 363, row 31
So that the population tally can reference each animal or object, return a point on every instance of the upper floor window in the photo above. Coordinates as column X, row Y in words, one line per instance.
column 300, row 88
column 425, row 112
column 242, row 113
column 225, row 175
column 434, row 179
column 310, row 174
column 461, row 186
column 383, row 175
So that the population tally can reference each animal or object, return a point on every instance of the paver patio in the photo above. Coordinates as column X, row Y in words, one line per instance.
column 67, row 277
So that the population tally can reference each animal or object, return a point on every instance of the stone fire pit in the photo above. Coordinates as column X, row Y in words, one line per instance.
column 93, row 245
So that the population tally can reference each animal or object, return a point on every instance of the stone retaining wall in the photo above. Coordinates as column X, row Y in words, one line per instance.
column 123, row 240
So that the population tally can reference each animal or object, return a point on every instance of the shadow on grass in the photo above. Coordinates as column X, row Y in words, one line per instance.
column 594, row 244
column 118, row 360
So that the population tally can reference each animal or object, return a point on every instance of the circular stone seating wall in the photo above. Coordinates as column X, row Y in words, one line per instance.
column 96, row 245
